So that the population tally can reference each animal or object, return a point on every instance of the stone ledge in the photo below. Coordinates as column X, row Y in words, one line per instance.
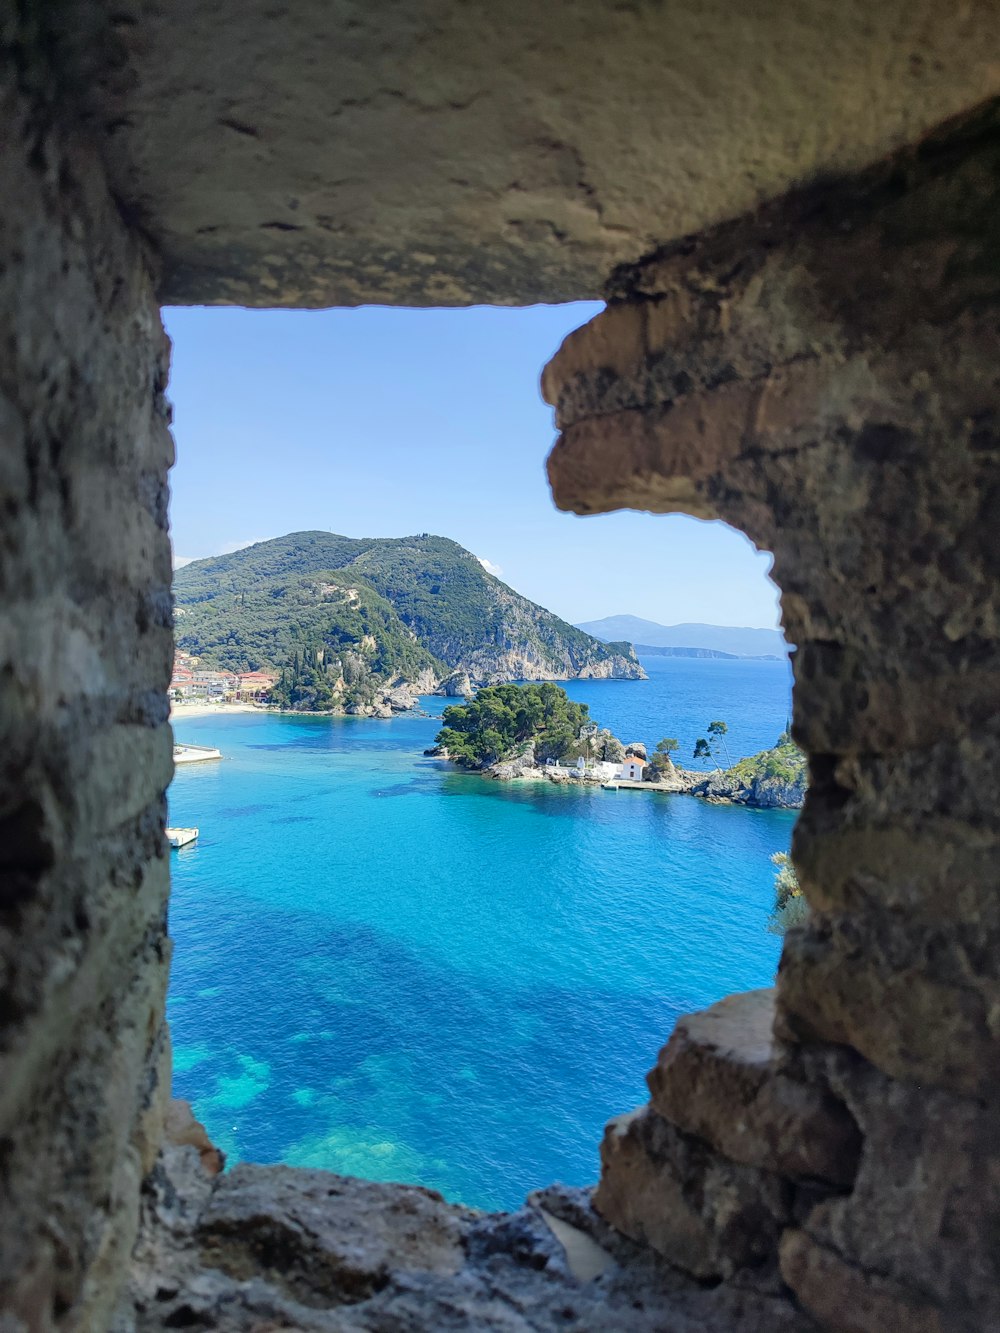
column 711, row 1217
column 281, row 1248
column 716, row 1078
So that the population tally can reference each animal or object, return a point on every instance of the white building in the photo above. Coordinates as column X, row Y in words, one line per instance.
column 632, row 770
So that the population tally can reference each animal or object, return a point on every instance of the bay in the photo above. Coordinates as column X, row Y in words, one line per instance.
column 388, row 968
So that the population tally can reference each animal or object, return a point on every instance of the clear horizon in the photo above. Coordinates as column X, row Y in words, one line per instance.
column 382, row 422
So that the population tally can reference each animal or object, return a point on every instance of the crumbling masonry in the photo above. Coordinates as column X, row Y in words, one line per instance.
column 794, row 216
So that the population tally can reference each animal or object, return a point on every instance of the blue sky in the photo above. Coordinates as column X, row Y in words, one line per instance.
column 382, row 422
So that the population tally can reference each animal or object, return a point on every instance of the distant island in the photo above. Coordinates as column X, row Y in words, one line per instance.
column 688, row 640
column 364, row 625
column 537, row 732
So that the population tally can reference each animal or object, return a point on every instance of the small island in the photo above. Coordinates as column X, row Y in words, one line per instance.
column 535, row 731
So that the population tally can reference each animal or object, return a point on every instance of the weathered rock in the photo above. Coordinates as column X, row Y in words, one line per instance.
column 843, row 1297
column 927, row 1184
column 708, row 1216
column 762, row 792
column 636, row 749
column 455, row 686
column 457, row 155
column 402, row 699
column 182, row 1130
column 718, row 1078
column 506, row 770
column 851, row 426
column 271, row 1247
column 85, row 746
column 608, row 748
column 325, row 1238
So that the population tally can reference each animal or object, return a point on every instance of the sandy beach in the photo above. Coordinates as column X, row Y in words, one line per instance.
column 178, row 712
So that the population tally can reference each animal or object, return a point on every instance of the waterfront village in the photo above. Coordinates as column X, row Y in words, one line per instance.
column 191, row 683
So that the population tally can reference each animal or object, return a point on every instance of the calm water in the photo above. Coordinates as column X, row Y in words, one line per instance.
column 390, row 969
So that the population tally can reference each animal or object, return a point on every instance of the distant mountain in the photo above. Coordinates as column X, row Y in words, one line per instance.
column 727, row 639
column 356, row 611
column 648, row 650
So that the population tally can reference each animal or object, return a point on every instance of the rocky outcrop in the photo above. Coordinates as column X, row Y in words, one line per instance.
column 270, row 1247
column 399, row 696
column 763, row 792
column 619, row 667
column 510, row 769
column 716, row 1168
column 671, row 778
column 499, row 666
column 456, row 686
column 182, row 1130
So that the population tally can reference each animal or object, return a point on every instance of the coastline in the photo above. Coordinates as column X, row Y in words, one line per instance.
column 178, row 712
column 688, row 783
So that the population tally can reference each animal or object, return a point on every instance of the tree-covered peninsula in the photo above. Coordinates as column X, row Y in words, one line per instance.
column 517, row 731
column 343, row 620
column 503, row 719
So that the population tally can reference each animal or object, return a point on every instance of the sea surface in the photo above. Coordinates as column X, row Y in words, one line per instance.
column 392, row 969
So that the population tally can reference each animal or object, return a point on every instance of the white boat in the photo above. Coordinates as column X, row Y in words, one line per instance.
column 181, row 837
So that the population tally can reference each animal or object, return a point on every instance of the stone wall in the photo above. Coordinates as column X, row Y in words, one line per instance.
column 465, row 151
column 85, row 647
column 824, row 375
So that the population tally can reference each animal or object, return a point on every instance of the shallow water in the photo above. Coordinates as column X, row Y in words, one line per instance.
column 391, row 969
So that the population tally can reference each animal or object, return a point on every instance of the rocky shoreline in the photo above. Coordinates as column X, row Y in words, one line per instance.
column 402, row 696
column 748, row 782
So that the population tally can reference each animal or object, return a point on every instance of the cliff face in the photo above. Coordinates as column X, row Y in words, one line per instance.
column 766, row 793
column 775, row 779
column 496, row 665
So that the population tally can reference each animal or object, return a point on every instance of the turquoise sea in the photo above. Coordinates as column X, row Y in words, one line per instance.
column 388, row 968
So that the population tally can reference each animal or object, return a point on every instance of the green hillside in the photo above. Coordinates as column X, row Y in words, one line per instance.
column 249, row 624
column 404, row 604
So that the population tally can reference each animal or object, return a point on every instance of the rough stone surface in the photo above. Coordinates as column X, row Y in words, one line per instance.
column 717, row 1078
column 823, row 375
column 709, row 1216
column 845, row 1298
column 275, row 1248
column 447, row 153
column 85, row 754
column 181, row 1129
column 763, row 793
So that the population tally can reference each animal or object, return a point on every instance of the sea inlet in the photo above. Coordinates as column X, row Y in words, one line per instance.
column 388, row 968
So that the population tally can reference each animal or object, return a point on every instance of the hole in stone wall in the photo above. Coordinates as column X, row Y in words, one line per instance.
column 385, row 965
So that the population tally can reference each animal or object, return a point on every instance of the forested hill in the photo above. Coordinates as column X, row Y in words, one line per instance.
column 402, row 604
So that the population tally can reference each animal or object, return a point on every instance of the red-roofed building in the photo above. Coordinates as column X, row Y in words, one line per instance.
column 253, row 685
